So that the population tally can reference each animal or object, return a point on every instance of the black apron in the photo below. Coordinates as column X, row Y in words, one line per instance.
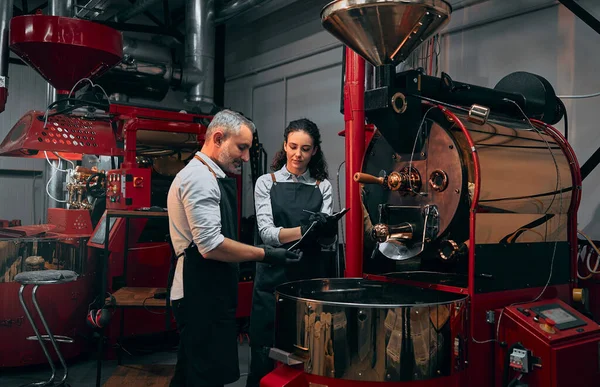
column 288, row 200
column 210, row 292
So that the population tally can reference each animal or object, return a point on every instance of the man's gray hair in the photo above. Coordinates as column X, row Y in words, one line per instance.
column 231, row 122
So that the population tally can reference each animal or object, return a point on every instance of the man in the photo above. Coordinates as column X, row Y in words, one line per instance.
column 202, row 222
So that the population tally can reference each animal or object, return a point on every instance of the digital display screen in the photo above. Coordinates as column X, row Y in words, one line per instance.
column 559, row 315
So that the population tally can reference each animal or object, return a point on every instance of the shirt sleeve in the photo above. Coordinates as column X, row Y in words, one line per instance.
column 327, row 192
column 200, row 196
column 264, row 213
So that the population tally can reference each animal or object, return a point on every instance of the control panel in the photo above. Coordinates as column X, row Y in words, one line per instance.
column 545, row 343
column 552, row 320
column 128, row 188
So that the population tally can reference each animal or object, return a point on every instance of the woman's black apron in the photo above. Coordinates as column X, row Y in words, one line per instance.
column 288, row 202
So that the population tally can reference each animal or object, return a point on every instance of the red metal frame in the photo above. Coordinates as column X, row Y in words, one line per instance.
column 577, row 186
column 482, row 338
column 354, row 116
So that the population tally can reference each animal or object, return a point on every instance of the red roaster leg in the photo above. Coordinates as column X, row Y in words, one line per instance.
column 284, row 376
column 354, row 115
column 130, row 136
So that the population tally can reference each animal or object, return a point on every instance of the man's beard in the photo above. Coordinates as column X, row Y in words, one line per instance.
column 229, row 164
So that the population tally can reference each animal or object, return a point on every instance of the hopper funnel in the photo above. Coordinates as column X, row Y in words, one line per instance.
column 384, row 31
column 64, row 50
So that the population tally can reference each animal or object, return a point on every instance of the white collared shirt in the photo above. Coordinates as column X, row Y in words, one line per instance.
column 262, row 201
column 194, row 213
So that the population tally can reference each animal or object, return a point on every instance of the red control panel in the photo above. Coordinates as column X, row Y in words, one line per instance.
column 128, row 188
column 534, row 338
column 552, row 321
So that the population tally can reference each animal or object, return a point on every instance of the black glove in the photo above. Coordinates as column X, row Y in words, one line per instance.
column 326, row 225
column 310, row 231
column 279, row 256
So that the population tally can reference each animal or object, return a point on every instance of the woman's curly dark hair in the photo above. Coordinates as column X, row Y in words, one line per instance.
column 317, row 165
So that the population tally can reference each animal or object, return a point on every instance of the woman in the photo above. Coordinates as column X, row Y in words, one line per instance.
column 291, row 202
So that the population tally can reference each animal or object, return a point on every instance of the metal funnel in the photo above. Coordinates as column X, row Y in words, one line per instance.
column 384, row 31
column 64, row 50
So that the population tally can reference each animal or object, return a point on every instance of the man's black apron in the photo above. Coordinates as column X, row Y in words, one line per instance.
column 288, row 202
column 210, row 292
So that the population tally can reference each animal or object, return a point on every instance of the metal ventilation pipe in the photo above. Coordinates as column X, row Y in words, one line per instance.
column 56, row 188
column 61, row 8
column 234, row 8
column 137, row 8
column 146, row 71
column 6, row 8
column 199, row 64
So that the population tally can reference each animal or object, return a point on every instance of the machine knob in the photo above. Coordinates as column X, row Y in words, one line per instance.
column 394, row 181
column 579, row 295
column 548, row 325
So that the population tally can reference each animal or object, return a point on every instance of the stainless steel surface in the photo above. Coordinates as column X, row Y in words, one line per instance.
column 284, row 357
column 54, row 178
column 384, row 32
column 357, row 329
column 92, row 9
column 50, row 94
column 146, row 51
column 135, row 9
column 146, row 71
column 234, row 8
column 479, row 114
column 61, row 8
column 198, row 72
column 6, row 11
column 55, row 181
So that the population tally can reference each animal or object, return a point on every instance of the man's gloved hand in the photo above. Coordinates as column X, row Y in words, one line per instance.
column 279, row 256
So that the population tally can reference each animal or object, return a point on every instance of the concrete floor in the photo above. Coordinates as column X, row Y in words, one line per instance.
column 82, row 372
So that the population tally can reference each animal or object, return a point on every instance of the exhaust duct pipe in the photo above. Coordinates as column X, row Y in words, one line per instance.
column 137, row 8
column 56, row 187
column 147, row 71
column 199, row 64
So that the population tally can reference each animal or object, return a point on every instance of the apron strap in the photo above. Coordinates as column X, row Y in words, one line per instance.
column 207, row 166
column 273, row 177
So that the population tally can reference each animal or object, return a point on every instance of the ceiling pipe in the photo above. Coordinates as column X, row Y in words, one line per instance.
column 61, row 8
column 6, row 9
column 147, row 71
column 56, row 187
column 137, row 8
column 199, row 62
column 235, row 8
